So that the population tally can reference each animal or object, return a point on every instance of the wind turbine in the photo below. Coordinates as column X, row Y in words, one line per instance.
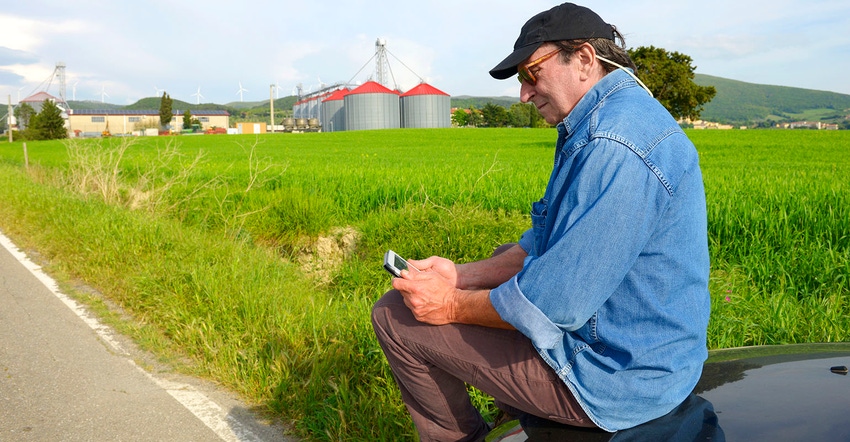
column 198, row 95
column 158, row 90
column 103, row 94
column 239, row 92
column 74, row 91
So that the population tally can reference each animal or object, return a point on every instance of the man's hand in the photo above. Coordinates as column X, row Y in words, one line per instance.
column 433, row 297
column 430, row 294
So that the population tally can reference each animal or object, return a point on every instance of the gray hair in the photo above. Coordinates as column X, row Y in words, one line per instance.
column 614, row 50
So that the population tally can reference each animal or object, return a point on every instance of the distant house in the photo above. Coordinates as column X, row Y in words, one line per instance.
column 121, row 121
column 701, row 124
column 36, row 102
column 808, row 125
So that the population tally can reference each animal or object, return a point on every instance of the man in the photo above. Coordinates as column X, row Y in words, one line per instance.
column 598, row 316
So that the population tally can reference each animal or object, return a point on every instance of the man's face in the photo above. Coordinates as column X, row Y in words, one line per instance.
column 559, row 85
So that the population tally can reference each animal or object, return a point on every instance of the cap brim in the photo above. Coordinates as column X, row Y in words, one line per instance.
column 507, row 68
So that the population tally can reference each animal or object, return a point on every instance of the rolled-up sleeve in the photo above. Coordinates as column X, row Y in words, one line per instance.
column 516, row 309
column 526, row 241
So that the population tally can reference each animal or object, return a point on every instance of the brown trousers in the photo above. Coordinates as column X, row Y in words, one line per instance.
column 433, row 364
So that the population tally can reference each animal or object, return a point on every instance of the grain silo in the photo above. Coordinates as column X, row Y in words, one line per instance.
column 333, row 111
column 425, row 106
column 298, row 109
column 314, row 105
column 371, row 106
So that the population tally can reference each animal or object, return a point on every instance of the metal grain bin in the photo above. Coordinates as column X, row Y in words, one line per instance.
column 298, row 109
column 333, row 111
column 312, row 107
column 425, row 106
column 372, row 106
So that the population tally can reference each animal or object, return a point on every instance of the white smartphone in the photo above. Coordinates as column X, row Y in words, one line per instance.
column 395, row 264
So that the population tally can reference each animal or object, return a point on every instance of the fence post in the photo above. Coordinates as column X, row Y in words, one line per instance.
column 26, row 157
column 9, row 119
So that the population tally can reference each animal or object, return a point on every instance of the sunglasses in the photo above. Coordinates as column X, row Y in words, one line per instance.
column 524, row 73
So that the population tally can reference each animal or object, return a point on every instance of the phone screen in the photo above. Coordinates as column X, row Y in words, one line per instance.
column 399, row 263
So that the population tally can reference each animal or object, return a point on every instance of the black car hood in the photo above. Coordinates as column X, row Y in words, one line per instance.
column 767, row 393
column 788, row 392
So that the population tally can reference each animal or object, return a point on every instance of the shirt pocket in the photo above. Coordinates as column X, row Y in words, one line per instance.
column 539, row 211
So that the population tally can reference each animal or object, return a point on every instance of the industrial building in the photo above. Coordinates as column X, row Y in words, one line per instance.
column 99, row 122
column 333, row 111
column 87, row 122
column 372, row 105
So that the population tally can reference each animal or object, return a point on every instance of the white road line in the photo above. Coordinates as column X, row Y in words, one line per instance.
column 207, row 411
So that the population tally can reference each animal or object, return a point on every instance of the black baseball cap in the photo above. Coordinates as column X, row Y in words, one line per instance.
column 563, row 22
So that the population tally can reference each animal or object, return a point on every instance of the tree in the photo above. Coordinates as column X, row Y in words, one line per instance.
column 187, row 119
column 23, row 113
column 494, row 115
column 47, row 124
column 460, row 117
column 670, row 77
column 474, row 118
column 165, row 111
column 525, row 115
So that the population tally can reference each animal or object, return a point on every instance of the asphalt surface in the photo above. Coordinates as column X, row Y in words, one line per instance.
column 66, row 377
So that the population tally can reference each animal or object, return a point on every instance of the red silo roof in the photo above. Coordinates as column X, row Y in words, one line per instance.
column 338, row 94
column 424, row 89
column 371, row 87
column 39, row 98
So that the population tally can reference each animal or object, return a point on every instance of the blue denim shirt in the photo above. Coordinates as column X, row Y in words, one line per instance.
column 614, row 292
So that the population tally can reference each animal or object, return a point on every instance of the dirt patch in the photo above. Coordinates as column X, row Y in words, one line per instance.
column 322, row 257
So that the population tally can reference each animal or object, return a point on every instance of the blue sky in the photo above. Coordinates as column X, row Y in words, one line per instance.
column 121, row 51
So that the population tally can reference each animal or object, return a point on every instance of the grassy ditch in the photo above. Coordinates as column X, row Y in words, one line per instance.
column 254, row 261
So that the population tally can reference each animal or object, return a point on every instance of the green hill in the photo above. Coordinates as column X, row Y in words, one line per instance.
column 88, row 105
column 738, row 102
column 257, row 107
column 247, row 104
column 153, row 103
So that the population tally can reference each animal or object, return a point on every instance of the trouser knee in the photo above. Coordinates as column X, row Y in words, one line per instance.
column 381, row 311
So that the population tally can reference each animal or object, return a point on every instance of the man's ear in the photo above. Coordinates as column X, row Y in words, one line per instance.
column 586, row 57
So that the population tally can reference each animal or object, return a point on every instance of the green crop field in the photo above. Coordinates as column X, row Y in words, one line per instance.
column 254, row 261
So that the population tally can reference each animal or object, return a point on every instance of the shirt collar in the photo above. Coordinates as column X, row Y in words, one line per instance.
column 604, row 87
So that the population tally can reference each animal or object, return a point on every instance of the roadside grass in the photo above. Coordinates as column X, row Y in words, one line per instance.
column 254, row 261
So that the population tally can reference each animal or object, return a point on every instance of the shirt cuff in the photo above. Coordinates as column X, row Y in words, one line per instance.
column 526, row 241
column 517, row 310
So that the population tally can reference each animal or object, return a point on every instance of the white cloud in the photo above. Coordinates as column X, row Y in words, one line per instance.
column 19, row 33
column 26, row 34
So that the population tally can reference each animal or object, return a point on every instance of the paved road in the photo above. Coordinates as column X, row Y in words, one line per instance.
column 65, row 377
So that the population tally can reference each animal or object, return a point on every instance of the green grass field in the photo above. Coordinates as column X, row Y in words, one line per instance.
column 255, row 261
